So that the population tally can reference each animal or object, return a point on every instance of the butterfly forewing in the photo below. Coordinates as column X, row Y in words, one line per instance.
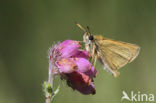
column 115, row 54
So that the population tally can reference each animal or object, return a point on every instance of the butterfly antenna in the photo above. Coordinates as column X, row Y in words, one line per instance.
column 81, row 27
column 88, row 29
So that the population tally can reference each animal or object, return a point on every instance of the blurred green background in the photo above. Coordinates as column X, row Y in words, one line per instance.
column 29, row 27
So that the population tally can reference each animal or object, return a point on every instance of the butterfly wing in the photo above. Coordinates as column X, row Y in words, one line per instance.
column 115, row 54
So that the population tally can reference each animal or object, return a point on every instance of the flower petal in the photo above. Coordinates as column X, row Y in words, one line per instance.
column 66, row 65
column 85, row 67
column 83, row 64
column 68, row 48
column 91, row 72
column 81, row 54
column 78, row 79
column 87, row 89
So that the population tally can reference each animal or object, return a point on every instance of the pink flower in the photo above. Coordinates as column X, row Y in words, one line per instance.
column 71, row 63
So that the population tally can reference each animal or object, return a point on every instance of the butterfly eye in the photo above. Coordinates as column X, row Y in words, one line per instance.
column 91, row 37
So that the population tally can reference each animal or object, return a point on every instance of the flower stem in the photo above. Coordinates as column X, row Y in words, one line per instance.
column 48, row 100
column 49, row 85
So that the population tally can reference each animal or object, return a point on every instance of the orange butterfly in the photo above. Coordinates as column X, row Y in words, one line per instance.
column 111, row 53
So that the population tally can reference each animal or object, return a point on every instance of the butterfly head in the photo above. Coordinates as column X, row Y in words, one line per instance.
column 87, row 37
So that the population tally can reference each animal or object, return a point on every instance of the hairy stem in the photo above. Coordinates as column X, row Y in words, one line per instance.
column 50, row 81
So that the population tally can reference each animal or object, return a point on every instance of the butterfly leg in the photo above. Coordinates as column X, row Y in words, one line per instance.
column 95, row 60
column 93, row 53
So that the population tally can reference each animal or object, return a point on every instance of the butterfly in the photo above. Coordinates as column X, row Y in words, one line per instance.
column 110, row 53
